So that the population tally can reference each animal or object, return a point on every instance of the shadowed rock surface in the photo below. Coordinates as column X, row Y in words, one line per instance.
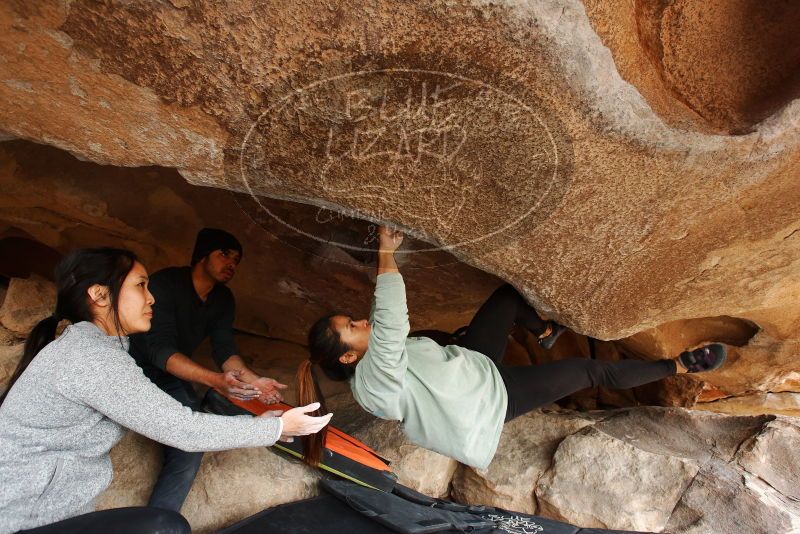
column 54, row 203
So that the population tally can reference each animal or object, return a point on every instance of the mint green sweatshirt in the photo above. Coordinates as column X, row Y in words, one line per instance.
column 449, row 399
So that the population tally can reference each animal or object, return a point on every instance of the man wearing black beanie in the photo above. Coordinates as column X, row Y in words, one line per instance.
column 193, row 303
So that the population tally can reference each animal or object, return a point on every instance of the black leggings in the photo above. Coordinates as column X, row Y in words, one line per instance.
column 530, row 387
column 134, row 520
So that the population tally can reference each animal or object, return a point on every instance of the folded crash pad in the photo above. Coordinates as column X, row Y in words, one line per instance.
column 347, row 507
column 343, row 455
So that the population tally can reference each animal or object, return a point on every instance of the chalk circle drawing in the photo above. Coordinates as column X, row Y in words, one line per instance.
column 443, row 153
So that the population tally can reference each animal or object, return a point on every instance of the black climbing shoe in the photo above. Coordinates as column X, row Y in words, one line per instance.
column 705, row 358
column 547, row 341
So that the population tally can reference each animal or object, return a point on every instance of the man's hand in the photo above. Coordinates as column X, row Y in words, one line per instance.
column 232, row 387
column 269, row 389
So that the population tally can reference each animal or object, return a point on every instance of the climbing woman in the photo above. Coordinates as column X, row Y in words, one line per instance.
column 455, row 399
column 70, row 397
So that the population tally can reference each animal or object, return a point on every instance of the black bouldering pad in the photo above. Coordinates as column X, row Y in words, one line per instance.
column 317, row 515
column 349, row 508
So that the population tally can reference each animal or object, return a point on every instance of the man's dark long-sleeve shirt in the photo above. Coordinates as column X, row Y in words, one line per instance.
column 181, row 320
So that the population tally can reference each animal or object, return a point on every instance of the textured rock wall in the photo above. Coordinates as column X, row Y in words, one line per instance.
column 53, row 203
column 648, row 469
column 631, row 167
column 718, row 66
column 579, row 192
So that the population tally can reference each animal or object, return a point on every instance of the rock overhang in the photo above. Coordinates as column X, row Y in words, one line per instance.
column 650, row 221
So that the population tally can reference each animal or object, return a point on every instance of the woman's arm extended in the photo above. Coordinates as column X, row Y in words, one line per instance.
column 383, row 368
column 390, row 240
column 116, row 387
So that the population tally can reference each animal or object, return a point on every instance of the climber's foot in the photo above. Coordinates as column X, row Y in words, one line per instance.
column 705, row 358
column 548, row 338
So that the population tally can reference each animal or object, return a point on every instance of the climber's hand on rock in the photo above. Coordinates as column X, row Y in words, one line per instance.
column 390, row 239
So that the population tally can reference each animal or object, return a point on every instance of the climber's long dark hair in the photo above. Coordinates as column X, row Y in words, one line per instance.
column 326, row 347
column 74, row 275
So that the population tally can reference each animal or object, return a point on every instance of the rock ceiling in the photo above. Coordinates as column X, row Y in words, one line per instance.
column 624, row 165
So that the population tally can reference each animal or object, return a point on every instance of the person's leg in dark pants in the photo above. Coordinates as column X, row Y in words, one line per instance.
column 488, row 331
column 180, row 467
column 134, row 520
column 538, row 385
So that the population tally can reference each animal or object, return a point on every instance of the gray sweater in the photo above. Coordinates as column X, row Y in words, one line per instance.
column 61, row 418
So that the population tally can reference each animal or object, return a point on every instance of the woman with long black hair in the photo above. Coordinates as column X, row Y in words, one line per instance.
column 455, row 399
column 70, row 398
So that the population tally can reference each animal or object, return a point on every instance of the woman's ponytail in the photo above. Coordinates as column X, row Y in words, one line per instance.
column 308, row 392
column 326, row 347
column 43, row 333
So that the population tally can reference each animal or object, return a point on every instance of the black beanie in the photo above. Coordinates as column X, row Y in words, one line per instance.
column 211, row 239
